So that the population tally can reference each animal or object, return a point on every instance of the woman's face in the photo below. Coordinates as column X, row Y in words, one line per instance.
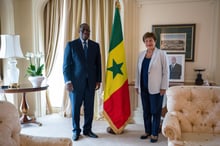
column 150, row 43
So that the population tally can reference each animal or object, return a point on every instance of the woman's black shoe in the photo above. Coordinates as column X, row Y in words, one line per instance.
column 153, row 139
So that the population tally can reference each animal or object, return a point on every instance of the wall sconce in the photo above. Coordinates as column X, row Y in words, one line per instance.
column 10, row 49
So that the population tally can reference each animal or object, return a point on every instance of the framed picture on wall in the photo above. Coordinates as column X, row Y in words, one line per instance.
column 173, row 42
column 176, row 67
column 179, row 38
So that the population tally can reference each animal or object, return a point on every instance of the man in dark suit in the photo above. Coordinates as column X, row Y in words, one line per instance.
column 82, row 75
column 175, row 69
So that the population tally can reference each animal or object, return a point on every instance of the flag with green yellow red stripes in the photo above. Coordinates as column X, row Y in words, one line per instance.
column 116, row 92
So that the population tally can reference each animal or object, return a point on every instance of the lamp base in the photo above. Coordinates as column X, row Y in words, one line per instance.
column 12, row 72
column 199, row 80
column 14, row 85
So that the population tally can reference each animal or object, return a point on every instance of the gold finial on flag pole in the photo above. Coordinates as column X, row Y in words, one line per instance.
column 117, row 4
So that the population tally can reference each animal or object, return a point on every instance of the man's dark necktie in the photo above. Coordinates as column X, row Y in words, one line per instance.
column 85, row 48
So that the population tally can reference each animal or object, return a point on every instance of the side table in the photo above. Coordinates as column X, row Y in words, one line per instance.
column 24, row 105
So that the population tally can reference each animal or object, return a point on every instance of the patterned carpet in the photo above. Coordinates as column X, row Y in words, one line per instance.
column 57, row 126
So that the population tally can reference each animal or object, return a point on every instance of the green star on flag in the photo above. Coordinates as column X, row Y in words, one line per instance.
column 116, row 68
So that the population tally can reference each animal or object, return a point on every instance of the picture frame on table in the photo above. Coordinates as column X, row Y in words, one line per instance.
column 176, row 38
column 176, row 67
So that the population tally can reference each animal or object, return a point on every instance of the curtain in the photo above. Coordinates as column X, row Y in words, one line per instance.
column 62, row 20
column 52, row 19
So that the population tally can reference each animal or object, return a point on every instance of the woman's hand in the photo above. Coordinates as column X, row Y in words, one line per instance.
column 136, row 89
column 162, row 91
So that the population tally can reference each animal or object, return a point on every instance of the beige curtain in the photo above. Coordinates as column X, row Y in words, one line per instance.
column 52, row 19
column 62, row 20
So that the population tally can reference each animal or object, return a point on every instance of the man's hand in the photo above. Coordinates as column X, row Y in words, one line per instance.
column 97, row 86
column 69, row 87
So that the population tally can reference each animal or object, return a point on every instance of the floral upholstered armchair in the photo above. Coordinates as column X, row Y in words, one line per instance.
column 10, row 131
column 193, row 117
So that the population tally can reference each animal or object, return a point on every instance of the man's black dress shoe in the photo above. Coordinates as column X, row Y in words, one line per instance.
column 145, row 136
column 75, row 137
column 90, row 134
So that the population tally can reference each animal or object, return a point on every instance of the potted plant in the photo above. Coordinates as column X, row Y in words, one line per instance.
column 35, row 68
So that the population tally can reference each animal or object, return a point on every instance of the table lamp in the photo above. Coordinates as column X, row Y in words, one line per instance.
column 199, row 80
column 10, row 49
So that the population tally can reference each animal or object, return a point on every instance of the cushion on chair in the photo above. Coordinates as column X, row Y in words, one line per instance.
column 27, row 140
column 193, row 116
column 9, row 125
column 196, row 107
column 10, row 131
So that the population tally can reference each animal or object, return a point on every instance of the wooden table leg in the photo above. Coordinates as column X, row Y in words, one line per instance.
column 24, row 109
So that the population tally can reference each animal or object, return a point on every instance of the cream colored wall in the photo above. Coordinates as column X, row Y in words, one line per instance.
column 24, row 27
column 217, row 45
column 16, row 19
column 202, row 13
column 7, row 27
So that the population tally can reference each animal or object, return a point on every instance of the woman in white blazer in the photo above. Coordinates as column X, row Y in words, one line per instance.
column 152, row 80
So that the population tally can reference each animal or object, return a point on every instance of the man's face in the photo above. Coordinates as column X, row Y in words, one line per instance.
column 173, row 60
column 84, row 31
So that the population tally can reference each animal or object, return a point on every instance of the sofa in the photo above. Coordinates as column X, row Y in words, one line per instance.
column 193, row 117
column 10, row 131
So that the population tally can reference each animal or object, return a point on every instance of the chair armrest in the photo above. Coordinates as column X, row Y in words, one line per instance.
column 27, row 140
column 171, row 127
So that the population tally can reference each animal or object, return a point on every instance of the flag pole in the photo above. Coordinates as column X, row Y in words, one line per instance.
column 117, row 4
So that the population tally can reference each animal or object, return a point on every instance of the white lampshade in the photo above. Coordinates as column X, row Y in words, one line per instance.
column 10, row 47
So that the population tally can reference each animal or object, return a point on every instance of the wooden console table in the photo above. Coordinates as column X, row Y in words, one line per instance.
column 24, row 105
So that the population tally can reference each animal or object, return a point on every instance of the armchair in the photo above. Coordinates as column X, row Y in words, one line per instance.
column 10, row 131
column 193, row 117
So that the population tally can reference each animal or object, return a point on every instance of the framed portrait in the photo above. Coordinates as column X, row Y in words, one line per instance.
column 173, row 42
column 176, row 67
column 176, row 38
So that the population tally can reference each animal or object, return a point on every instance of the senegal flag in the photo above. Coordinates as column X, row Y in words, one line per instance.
column 116, row 93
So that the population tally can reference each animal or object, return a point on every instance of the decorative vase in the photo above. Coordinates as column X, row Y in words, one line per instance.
column 36, row 80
